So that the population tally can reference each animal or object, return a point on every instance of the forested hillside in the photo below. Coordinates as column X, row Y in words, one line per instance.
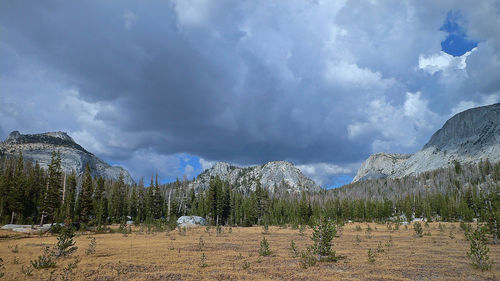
column 463, row 192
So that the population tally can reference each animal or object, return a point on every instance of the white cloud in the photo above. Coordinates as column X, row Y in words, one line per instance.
column 351, row 75
column 443, row 62
column 323, row 173
column 189, row 171
column 192, row 12
column 206, row 164
column 468, row 104
column 129, row 19
column 402, row 127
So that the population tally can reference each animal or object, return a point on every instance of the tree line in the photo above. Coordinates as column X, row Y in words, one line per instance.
column 32, row 195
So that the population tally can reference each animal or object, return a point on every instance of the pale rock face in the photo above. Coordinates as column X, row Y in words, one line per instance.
column 39, row 148
column 188, row 221
column 379, row 165
column 274, row 176
column 468, row 137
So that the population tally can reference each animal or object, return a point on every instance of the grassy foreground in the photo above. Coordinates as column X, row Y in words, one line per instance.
column 398, row 254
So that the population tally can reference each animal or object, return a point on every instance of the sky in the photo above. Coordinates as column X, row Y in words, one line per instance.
column 171, row 87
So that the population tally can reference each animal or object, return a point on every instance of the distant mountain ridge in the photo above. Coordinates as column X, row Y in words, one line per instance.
column 467, row 137
column 276, row 176
column 39, row 148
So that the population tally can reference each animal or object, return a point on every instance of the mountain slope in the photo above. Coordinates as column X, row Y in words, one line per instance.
column 39, row 148
column 379, row 165
column 276, row 176
column 467, row 137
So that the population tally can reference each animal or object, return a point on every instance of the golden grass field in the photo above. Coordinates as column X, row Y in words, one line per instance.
column 234, row 256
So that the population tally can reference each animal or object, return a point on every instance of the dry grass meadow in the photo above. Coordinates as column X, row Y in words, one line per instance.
column 234, row 256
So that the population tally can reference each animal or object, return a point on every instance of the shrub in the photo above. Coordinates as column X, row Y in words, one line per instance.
column 45, row 260
column 465, row 227
column 245, row 265
column 67, row 273
column 28, row 270
column 418, row 229
column 65, row 245
column 203, row 260
column 441, row 228
column 264, row 248
column 478, row 249
column 265, row 227
column 388, row 244
column 92, row 245
column 15, row 249
column 357, row 240
column 201, row 244
column 302, row 228
column 218, row 230
column 55, row 228
column 295, row 253
column 371, row 256
column 380, row 249
column 2, row 267
column 368, row 231
column 322, row 237
column 307, row 258
column 358, row 228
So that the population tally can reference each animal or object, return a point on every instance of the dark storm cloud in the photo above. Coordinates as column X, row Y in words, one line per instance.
column 245, row 82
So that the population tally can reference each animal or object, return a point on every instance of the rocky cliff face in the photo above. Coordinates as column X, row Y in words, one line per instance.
column 39, row 148
column 275, row 176
column 467, row 137
column 379, row 165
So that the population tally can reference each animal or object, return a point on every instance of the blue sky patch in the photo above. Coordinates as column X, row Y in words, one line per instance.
column 456, row 43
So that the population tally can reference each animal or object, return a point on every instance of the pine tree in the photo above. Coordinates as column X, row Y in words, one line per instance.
column 214, row 200
column 262, row 202
column 305, row 211
column 17, row 190
column 70, row 197
column 117, row 203
column 157, row 201
column 85, row 198
column 53, row 194
column 100, row 202
column 323, row 233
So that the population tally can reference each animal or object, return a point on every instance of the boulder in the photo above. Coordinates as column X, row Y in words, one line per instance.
column 191, row 221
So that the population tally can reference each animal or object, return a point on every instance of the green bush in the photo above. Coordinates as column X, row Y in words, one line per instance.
column 92, row 246
column 203, row 260
column 307, row 258
column 293, row 249
column 478, row 249
column 418, row 229
column 65, row 245
column 371, row 256
column 45, row 260
column 2, row 267
column 264, row 248
column 322, row 237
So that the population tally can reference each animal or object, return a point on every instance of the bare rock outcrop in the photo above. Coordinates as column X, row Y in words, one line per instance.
column 276, row 176
column 468, row 137
column 39, row 147
column 379, row 165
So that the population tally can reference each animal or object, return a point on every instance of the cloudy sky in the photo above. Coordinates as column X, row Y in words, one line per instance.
column 172, row 86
